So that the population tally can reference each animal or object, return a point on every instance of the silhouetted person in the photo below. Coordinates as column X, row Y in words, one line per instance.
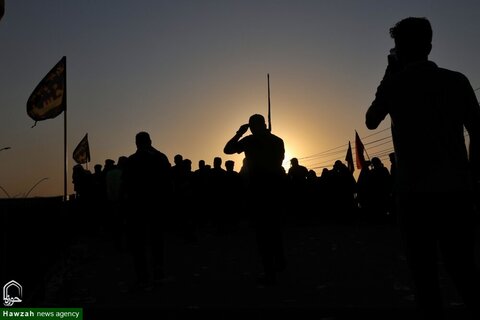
column 216, row 189
column 200, row 193
column 109, row 165
column 186, row 207
column 297, row 173
column 264, row 153
column 297, row 185
column 313, row 196
column 99, row 189
column 429, row 107
column 178, row 171
column 325, row 183
column 116, row 200
column 379, row 190
column 148, row 184
column 230, row 167
column 233, row 187
column 374, row 190
column 343, row 187
column 82, row 183
column 244, row 172
column 363, row 197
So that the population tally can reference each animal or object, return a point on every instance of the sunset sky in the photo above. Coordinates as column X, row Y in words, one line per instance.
column 191, row 72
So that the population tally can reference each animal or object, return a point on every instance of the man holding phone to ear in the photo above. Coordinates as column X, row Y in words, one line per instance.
column 264, row 154
column 429, row 108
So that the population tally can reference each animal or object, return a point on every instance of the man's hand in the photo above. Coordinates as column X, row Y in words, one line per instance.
column 243, row 128
column 394, row 65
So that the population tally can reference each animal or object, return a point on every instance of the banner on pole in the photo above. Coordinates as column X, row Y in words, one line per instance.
column 48, row 100
column 81, row 154
column 359, row 152
column 349, row 158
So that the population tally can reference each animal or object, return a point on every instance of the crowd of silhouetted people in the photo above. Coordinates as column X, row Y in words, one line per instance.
column 436, row 204
column 210, row 193
column 135, row 201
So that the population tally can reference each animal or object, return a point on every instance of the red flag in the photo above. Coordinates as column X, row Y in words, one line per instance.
column 81, row 154
column 359, row 150
column 349, row 158
column 48, row 99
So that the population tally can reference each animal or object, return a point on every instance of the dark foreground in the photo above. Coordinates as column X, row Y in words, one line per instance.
column 335, row 271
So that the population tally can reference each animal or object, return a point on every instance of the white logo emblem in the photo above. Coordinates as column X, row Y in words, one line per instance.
column 9, row 300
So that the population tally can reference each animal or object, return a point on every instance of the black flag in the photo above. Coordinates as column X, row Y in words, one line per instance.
column 349, row 158
column 48, row 100
column 81, row 154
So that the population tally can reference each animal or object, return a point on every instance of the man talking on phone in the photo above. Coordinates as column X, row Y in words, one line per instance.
column 429, row 108
column 264, row 154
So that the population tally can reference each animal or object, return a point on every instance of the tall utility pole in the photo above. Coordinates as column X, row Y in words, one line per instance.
column 269, row 111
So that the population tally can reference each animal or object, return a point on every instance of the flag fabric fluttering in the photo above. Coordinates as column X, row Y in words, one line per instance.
column 349, row 158
column 81, row 154
column 359, row 152
column 48, row 100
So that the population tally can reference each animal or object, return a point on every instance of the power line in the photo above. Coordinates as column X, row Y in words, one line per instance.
column 327, row 158
column 381, row 144
column 342, row 146
column 330, row 153
column 389, row 137
column 321, row 153
column 373, row 134
column 333, row 154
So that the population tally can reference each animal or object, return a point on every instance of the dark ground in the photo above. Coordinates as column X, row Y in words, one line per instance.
column 335, row 271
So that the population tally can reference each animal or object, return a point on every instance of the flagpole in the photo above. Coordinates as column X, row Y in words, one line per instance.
column 65, row 159
column 366, row 153
column 269, row 113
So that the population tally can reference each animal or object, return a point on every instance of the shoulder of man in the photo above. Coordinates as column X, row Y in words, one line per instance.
column 276, row 137
column 456, row 79
column 452, row 73
column 162, row 156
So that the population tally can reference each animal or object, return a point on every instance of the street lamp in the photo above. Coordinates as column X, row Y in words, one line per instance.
column 36, row 184
column 4, row 191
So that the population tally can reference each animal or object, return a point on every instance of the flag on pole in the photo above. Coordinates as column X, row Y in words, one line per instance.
column 359, row 152
column 81, row 154
column 48, row 99
column 349, row 158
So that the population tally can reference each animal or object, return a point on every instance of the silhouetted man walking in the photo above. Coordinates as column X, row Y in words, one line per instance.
column 429, row 107
column 264, row 154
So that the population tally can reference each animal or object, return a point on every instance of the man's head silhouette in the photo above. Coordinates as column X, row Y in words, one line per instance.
column 413, row 39
column 142, row 140
column 257, row 123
